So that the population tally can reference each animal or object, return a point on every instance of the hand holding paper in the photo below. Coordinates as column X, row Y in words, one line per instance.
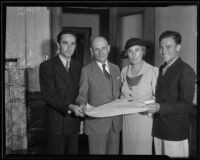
column 117, row 107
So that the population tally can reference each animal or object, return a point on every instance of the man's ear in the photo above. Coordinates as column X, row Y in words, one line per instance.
column 58, row 46
column 178, row 48
column 91, row 52
column 108, row 48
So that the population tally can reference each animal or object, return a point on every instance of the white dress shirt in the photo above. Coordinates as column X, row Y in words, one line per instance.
column 64, row 60
column 106, row 67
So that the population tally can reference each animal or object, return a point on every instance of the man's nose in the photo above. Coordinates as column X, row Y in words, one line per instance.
column 101, row 51
column 68, row 47
column 164, row 51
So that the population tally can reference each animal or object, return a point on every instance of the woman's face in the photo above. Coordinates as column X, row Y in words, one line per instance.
column 135, row 54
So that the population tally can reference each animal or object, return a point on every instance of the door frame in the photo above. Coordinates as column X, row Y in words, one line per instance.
column 56, row 21
column 85, row 56
column 148, row 29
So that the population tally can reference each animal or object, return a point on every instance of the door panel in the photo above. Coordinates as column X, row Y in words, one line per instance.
column 129, row 26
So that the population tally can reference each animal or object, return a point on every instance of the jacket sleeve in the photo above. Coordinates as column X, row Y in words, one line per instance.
column 82, row 97
column 184, row 102
column 48, row 90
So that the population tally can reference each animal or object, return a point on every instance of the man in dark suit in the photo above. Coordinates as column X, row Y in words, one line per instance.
column 174, row 99
column 59, row 79
column 100, row 84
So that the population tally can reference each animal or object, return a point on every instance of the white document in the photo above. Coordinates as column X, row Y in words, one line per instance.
column 117, row 107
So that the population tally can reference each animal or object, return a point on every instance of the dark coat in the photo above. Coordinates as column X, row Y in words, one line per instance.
column 59, row 89
column 174, row 93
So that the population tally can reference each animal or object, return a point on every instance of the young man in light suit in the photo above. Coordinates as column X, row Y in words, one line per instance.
column 97, row 88
column 174, row 99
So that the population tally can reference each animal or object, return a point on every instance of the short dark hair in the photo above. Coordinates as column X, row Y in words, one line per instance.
column 175, row 35
column 64, row 32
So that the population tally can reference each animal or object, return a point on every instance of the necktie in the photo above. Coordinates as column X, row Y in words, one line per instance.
column 67, row 65
column 105, row 72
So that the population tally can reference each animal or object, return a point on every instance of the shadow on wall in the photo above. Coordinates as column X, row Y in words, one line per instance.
column 149, row 57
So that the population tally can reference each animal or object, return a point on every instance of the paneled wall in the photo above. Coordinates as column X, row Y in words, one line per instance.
column 28, row 38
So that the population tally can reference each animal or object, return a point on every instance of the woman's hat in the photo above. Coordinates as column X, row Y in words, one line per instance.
column 132, row 42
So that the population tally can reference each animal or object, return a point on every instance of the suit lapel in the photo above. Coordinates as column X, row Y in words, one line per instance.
column 72, row 68
column 114, row 76
column 167, row 76
column 101, row 79
column 60, row 69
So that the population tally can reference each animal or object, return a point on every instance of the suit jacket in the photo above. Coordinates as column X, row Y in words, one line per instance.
column 59, row 89
column 174, row 93
column 96, row 90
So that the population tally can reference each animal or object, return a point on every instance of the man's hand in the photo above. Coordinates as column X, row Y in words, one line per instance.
column 152, row 108
column 83, row 108
column 78, row 110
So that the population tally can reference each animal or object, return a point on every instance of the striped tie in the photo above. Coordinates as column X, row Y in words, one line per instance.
column 105, row 72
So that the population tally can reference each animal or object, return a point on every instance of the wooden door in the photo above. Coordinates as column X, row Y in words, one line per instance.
column 82, row 52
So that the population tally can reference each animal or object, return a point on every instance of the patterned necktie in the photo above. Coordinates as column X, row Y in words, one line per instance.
column 105, row 72
column 67, row 65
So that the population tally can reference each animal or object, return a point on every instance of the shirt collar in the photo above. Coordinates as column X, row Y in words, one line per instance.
column 100, row 65
column 63, row 59
column 172, row 61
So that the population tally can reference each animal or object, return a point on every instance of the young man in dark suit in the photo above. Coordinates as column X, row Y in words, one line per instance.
column 174, row 99
column 59, row 80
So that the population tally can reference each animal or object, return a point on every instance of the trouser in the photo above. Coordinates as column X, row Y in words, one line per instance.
column 62, row 144
column 104, row 144
column 171, row 148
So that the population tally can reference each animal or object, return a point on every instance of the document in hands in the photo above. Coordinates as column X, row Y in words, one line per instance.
column 117, row 107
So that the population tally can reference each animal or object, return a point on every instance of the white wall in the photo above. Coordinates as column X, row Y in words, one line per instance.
column 82, row 20
column 182, row 19
column 130, row 26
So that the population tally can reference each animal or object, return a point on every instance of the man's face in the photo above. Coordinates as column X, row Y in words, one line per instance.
column 100, row 49
column 67, row 45
column 169, row 50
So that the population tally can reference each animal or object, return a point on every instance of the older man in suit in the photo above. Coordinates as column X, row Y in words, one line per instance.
column 174, row 99
column 59, row 79
column 100, row 84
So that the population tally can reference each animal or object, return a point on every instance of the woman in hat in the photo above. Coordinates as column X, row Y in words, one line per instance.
column 139, row 80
